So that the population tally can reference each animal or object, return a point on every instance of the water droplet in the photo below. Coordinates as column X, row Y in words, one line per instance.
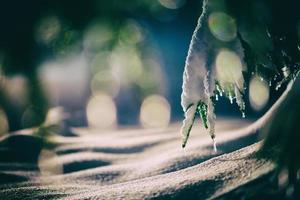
column 278, row 86
column 243, row 115
column 215, row 145
column 239, row 99
column 219, row 89
column 217, row 97
column 231, row 99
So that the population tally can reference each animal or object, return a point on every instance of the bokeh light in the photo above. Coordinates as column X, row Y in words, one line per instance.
column 222, row 26
column 100, row 61
column 16, row 88
column 102, row 76
column 101, row 111
column 4, row 127
column 131, row 33
column 172, row 4
column 65, row 80
column 124, row 69
column 229, row 68
column 152, row 78
column 97, row 35
column 283, row 178
column 155, row 112
column 48, row 29
column 258, row 93
column 104, row 81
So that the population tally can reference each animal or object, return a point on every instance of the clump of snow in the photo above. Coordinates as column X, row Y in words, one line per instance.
column 210, row 70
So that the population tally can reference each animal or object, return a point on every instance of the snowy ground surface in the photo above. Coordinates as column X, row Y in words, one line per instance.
column 131, row 164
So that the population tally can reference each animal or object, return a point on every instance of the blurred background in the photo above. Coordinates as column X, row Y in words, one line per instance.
column 102, row 64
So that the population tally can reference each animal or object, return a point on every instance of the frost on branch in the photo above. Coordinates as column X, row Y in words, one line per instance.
column 223, row 41
column 213, row 67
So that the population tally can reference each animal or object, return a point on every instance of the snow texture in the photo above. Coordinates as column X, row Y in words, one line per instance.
column 129, row 164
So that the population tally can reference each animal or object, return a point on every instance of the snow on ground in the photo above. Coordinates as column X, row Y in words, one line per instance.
column 130, row 164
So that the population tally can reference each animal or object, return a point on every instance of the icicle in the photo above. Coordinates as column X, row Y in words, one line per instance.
column 218, row 88
column 239, row 100
column 278, row 85
column 215, row 145
column 243, row 114
column 211, row 117
column 230, row 98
